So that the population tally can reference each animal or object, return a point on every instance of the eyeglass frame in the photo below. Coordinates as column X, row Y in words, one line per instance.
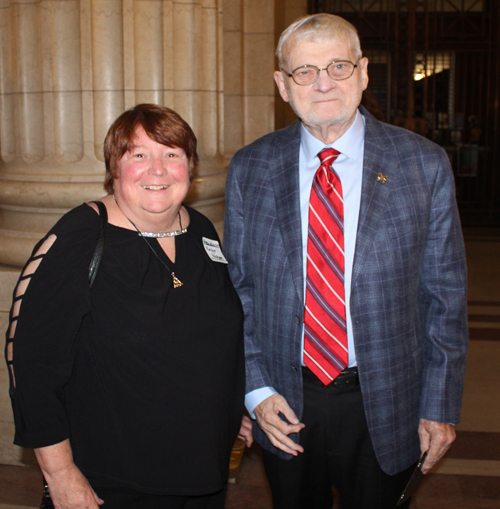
column 290, row 75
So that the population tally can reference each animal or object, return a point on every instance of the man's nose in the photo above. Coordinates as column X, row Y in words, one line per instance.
column 324, row 82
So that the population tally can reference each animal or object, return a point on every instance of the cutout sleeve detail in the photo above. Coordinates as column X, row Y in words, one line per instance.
column 50, row 301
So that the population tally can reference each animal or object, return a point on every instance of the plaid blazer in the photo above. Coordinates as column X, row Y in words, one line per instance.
column 408, row 293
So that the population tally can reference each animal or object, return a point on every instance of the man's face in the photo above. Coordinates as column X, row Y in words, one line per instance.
column 326, row 102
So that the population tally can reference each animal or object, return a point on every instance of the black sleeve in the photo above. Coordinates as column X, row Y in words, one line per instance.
column 52, row 298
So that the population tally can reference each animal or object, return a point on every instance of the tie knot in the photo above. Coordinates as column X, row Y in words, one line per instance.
column 328, row 156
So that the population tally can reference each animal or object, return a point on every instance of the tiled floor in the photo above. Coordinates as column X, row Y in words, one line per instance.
column 467, row 478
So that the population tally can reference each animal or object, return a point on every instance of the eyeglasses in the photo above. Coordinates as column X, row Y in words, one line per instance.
column 309, row 74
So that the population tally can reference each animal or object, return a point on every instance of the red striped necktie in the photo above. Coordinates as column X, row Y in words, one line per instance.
column 325, row 333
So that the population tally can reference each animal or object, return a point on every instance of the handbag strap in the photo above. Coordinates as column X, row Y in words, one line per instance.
column 99, row 249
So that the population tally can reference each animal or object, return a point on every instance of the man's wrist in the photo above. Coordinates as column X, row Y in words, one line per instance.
column 256, row 397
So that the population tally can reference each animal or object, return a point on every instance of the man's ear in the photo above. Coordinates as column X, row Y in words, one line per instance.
column 279, row 78
column 363, row 63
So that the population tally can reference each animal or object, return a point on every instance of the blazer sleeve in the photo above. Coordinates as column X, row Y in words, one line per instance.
column 443, row 304
column 237, row 251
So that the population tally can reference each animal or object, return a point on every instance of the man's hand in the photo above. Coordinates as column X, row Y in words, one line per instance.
column 437, row 437
column 267, row 414
column 246, row 430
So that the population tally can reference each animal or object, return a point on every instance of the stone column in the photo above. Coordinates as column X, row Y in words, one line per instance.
column 258, row 83
column 68, row 70
column 251, row 32
column 287, row 11
column 248, row 72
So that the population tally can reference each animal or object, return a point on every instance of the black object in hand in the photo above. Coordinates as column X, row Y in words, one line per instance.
column 414, row 482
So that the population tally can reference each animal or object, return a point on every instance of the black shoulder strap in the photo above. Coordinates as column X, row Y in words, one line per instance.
column 99, row 249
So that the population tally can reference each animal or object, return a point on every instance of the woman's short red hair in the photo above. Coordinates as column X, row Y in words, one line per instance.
column 161, row 124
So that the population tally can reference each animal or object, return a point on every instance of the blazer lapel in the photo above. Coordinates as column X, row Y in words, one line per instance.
column 377, row 164
column 285, row 182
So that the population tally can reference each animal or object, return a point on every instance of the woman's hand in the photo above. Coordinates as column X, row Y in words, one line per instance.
column 69, row 489
column 246, row 430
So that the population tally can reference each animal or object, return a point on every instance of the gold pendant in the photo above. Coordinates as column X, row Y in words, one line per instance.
column 176, row 280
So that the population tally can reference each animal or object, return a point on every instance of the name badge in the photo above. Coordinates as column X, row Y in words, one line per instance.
column 213, row 250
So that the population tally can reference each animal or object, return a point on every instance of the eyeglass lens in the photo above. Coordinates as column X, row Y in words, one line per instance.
column 310, row 73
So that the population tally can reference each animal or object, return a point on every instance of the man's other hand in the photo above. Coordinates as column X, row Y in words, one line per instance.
column 435, row 437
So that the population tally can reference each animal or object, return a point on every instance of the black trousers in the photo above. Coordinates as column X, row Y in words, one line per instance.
column 124, row 498
column 337, row 452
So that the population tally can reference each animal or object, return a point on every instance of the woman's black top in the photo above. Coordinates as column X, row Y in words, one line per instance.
column 146, row 380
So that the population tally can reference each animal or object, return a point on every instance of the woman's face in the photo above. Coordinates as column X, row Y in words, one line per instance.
column 152, row 177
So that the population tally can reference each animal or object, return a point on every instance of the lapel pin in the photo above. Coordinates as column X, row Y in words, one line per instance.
column 382, row 178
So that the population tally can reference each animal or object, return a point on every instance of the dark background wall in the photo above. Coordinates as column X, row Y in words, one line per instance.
column 434, row 69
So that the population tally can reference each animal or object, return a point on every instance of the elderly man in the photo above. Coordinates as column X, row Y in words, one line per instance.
column 344, row 244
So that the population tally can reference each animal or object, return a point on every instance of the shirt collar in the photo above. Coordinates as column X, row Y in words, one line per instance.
column 349, row 144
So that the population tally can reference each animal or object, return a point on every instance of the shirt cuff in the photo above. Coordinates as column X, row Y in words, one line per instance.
column 254, row 398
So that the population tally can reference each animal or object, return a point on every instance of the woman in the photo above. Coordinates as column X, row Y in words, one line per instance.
column 131, row 392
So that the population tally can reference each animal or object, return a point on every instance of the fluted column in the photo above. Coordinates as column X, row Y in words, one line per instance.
column 287, row 11
column 69, row 68
column 67, row 82
column 48, row 161
column 233, row 77
column 107, row 67
column 249, row 47
column 148, row 51
column 196, row 47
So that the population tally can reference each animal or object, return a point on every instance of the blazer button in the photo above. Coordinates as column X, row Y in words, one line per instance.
column 293, row 367
column 297, row 319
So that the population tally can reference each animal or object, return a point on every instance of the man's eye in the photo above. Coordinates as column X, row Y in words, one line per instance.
column 339, row 66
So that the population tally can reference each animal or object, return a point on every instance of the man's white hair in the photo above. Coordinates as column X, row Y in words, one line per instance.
column 318, row 28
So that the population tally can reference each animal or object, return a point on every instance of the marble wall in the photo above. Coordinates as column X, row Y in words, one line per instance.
column 68, row 68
